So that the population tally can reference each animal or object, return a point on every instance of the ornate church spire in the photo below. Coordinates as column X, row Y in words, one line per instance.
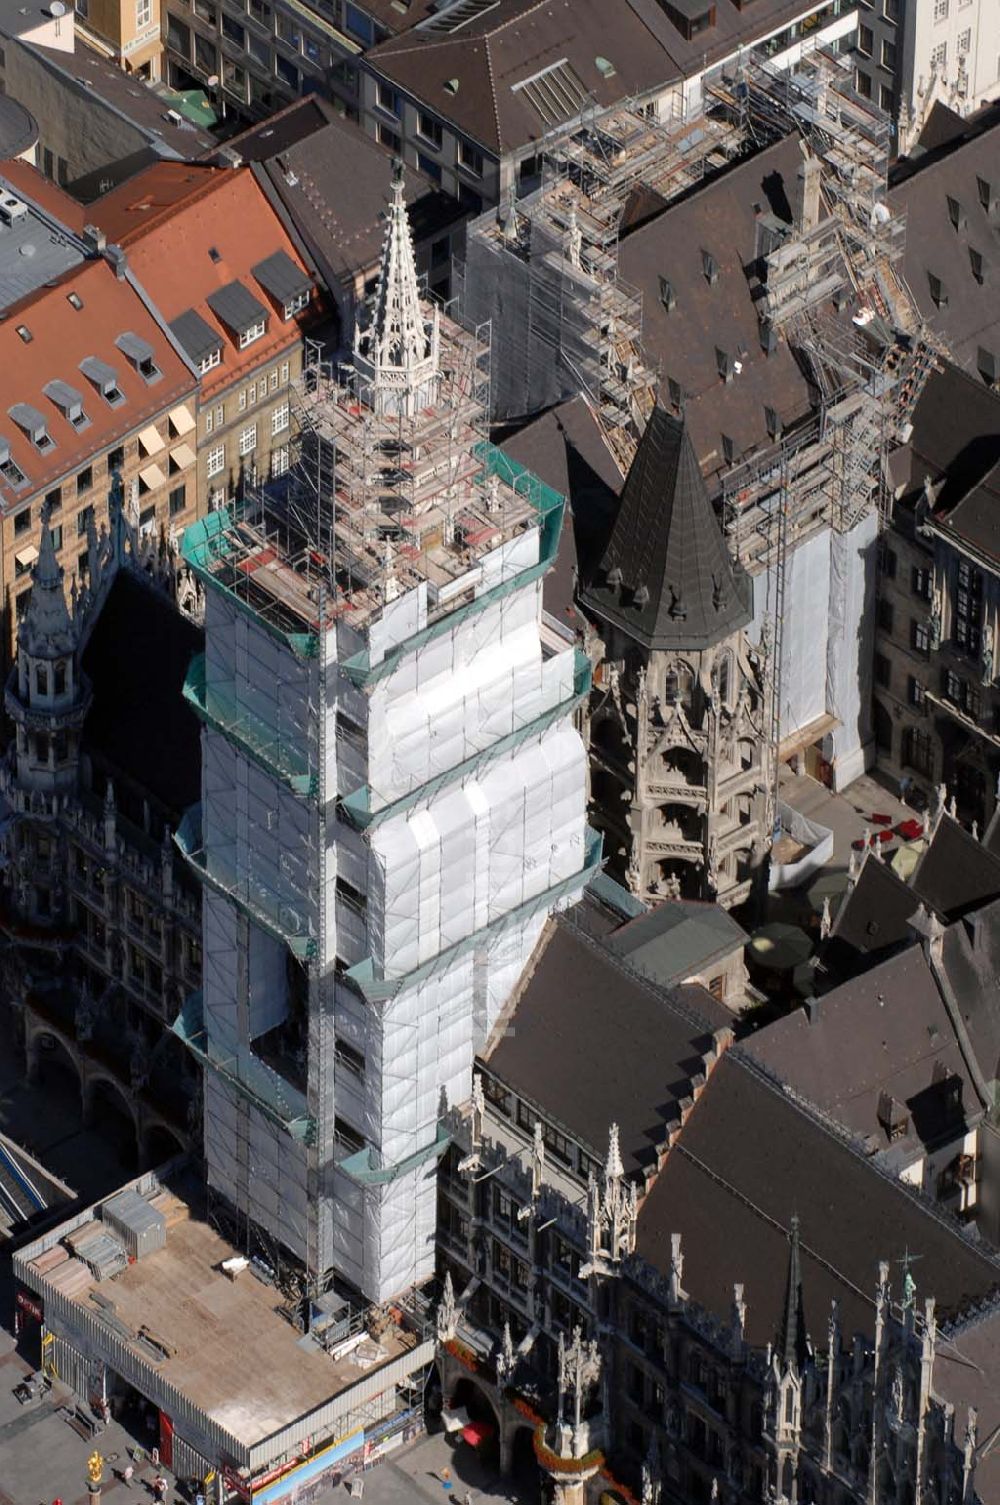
column 793, row 1336
column 396, row 357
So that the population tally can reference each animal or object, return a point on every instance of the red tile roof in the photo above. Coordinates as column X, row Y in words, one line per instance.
column 62, row 336
column 188, row 231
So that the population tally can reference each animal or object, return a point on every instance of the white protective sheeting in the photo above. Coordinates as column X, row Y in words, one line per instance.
column 256, row 1165
column 850, row 661
column 803, row 685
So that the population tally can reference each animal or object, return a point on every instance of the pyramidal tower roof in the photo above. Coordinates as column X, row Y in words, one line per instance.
column 46, row 629
column 396, row 356
column 666, row 578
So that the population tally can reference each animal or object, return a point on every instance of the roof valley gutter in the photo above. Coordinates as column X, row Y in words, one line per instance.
column 160, row 321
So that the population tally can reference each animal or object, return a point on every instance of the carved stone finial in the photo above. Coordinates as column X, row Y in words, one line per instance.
column 447, row 1311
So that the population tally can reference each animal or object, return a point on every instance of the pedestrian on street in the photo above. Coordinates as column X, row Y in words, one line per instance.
column 127, row 1475
column 160, row 1488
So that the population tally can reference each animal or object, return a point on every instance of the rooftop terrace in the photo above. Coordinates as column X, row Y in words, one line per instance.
column 221, row 1345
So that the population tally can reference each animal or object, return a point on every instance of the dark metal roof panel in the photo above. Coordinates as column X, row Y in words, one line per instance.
column 196, row 337
column 237, row 307
column 279, row 276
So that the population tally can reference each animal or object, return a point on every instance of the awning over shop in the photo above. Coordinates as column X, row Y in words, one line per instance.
column 152, row 477
column 150, row 441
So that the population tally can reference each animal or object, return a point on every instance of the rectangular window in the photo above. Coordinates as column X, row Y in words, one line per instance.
column 917, row 694
column 863, row 84
column 887, row 98
column 206, row 54
column 280, row 460
column 252, row 393
column 255, row 332
column 216, row 460
column 388, row 99
column 178, row 36
column 233, row 31
column 866, row 41
column 965, row 41
column 359, row 25
column 389, row 138
column 430, row 129
column 53, row 498
column 967, row 626
column 178, row 500
column 941, row 10
column 248, row 439
column 471, row 158
column 143, row 14
column 280, row 419
column 289, row 74
column 918, row 751
column 242, row 403
column 883, row 671
column 295, row 305
column 885, row 614
column 84, row 518
column 939, row 55
column 920, row 581
column 209, row 421
column 888, row 54
column 272, row 380
column 429, row 167
column 85, row 480
column 920, row 637
column 210, row 361
column 56, row 537
column 22, row 521
column 284, row 371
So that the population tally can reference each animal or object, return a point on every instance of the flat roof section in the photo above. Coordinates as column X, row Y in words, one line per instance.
column 222, row 1342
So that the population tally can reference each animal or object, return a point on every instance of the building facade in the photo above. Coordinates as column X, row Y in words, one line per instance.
column 105, row 924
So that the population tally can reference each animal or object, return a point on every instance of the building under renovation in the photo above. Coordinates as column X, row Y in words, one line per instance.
column 743, row 265
column 393, row 792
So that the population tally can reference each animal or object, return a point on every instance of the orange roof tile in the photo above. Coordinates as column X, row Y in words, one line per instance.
column 188, row 231
column 62, row 336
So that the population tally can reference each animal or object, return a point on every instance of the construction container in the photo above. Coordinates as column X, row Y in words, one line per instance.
column 142, row 1229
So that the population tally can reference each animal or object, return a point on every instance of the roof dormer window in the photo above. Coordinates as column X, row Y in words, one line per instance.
column 285, row 282
column 69, row 402
column 243, row 315
column 34, row 425
column 10, row 471
column 104, row 378
column 691, row 17
column 140, row 355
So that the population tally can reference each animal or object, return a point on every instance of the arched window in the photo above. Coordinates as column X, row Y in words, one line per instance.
column 42, row 679
column 724, row 677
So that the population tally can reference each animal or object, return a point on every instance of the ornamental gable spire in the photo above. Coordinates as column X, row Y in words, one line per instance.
column 47, row 629
column 396, row 357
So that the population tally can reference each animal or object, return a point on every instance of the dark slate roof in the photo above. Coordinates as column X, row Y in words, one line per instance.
column 137, row 657
column 956, row 873
column 967, row 1373
column 956, row 433
column 976, row 518
column 970, row 956
column 332, row 187
column 265, row 139
column 196, row 337
column 676, row 939
column 18, row 128
column 236, row 306
column 666, row 579
column 872, row 921
column 475, row 74
column 279, row 276
column 747, row 1159
column 564, row 448
column 592, row 1044
column 721, row 219
column 935, row 247
column 885, row 1031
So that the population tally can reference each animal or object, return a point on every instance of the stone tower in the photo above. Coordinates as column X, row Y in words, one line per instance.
column 681, row 756
column 47, row 699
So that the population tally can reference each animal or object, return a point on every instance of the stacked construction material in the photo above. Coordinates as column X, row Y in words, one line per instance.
column 100, row 1251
